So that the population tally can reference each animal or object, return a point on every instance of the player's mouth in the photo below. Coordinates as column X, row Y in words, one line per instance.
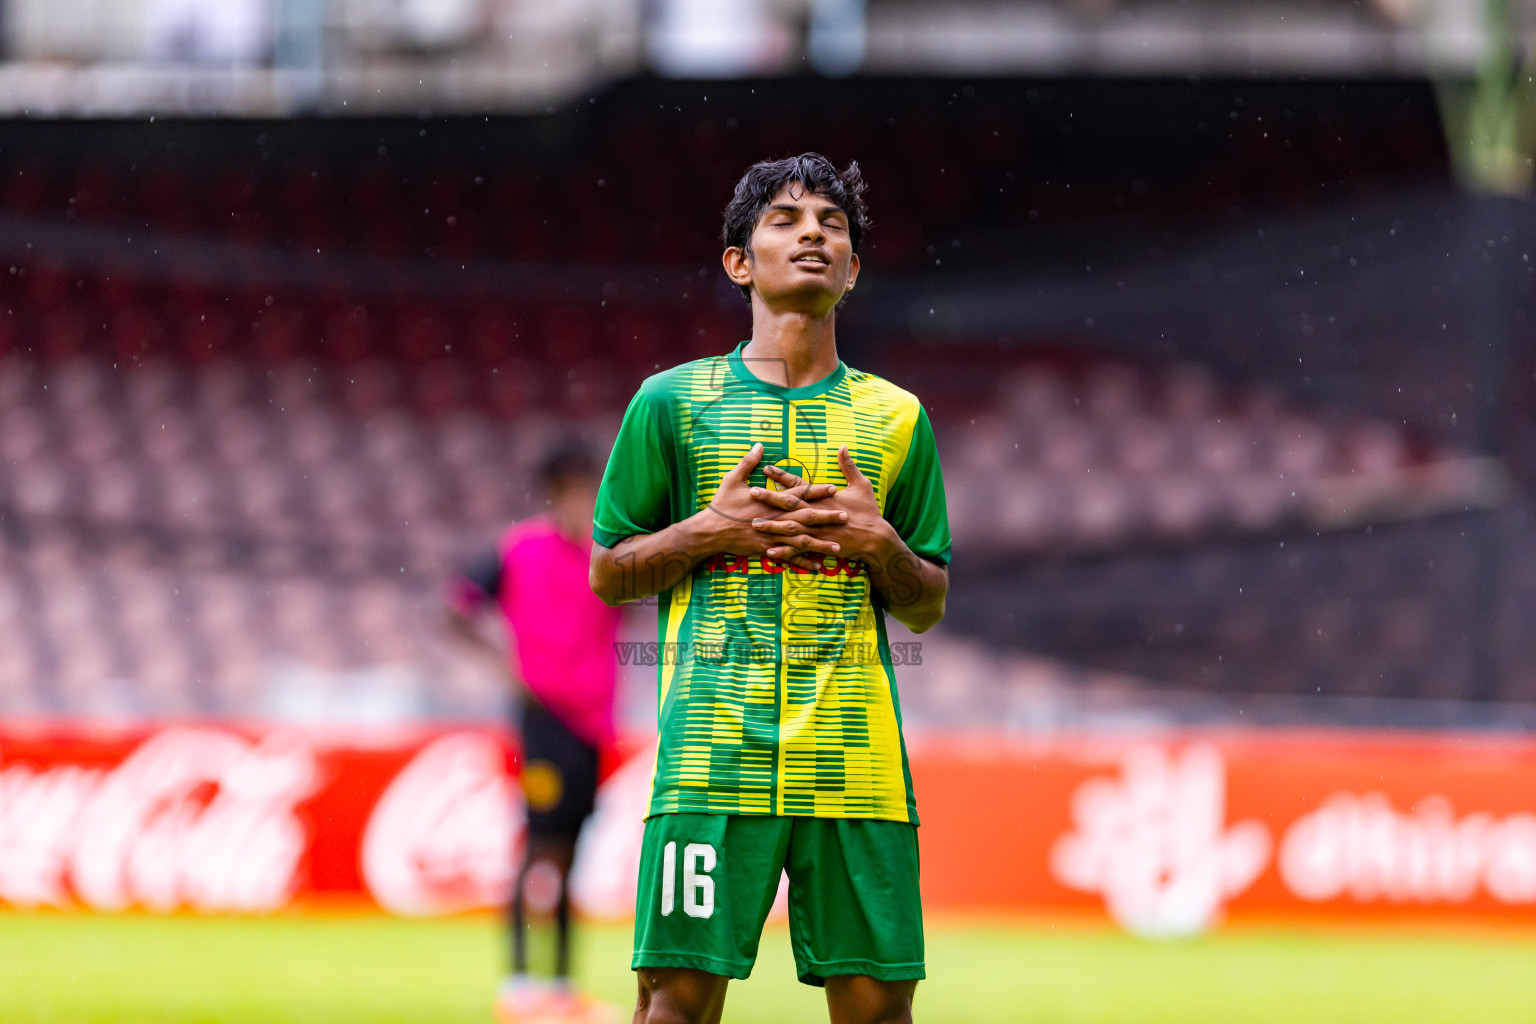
column 811, row 259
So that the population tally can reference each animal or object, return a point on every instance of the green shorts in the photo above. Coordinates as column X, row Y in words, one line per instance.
column 707, row 882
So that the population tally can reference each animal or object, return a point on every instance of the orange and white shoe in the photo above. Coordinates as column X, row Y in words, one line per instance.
column 571, row 1007
column 524, row 1001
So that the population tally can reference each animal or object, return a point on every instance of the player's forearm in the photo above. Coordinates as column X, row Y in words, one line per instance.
column 639, row 566
column 912, row 588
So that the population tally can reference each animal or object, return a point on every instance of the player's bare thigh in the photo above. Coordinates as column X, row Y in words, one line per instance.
column 679, row 995
column 676, row 995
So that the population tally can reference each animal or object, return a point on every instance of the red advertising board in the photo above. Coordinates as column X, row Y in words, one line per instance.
column 216, row 818
column 1170, row 835
column 1167, row 834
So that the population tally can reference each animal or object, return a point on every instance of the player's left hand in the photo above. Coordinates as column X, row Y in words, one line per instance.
column 800, row 507
column 864, row 536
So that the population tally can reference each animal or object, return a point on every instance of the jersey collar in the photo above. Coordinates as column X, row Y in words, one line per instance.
column 740, row 372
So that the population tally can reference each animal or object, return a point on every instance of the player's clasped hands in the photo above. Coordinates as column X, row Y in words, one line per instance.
column 741, row 508
column 801, row 522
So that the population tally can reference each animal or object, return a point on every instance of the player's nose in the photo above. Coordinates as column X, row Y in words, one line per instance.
column 811, row 231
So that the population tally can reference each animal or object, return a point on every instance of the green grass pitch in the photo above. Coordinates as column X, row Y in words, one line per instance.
column 143, row 970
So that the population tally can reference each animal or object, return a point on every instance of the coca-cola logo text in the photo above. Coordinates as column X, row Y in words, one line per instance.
column 199, row 818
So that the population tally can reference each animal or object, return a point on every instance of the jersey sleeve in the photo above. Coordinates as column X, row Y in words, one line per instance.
column 477, row 584
column 633, row 497
column 915, row 504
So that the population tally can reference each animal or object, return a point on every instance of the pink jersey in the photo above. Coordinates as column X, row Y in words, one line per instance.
column 562, row 634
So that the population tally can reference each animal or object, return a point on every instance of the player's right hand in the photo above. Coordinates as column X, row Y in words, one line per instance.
column 737, row 506
column 793, row 493
column 797, row 497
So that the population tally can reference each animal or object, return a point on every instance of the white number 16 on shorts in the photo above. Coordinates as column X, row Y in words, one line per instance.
column 698, row 887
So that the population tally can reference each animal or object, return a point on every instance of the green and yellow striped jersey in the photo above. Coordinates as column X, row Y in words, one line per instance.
column 777, row 691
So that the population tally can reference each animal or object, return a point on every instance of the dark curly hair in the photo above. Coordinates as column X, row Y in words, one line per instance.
column 765, row 179
column 568, row 459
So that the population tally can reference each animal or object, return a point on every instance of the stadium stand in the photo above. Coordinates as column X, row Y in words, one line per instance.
column 252, row 410
column 567, row 188
column 191, row 530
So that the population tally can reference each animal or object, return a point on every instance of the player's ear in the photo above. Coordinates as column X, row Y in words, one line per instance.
column 853, row 271
column 738, row 265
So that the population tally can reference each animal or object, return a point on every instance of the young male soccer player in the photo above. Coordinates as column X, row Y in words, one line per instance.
column 561, row 638
column 781, row 503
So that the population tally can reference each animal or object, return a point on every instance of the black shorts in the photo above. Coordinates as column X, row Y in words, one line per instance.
column 559, row 775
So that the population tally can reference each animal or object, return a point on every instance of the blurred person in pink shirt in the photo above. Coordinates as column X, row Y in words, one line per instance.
column 560, row 651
